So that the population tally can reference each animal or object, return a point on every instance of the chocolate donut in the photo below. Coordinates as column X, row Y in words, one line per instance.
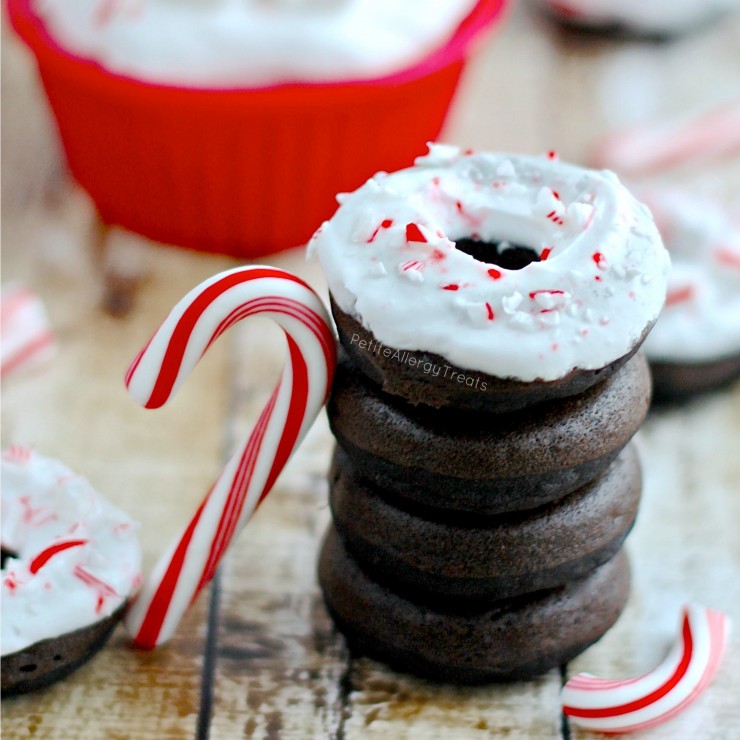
column 433, row 557
column 427, row 378
column 490, row 309
column 656, row 20
column 510, row 640
column 48, row 661
column 695, row 344
column 486, row 463
column 675, row 382
column 71, row 560
column 491, row 281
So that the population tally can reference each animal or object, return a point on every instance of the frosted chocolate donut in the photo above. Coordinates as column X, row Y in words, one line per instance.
column 432, row 557
column 653, row 19
column 71, row 560
column 528, row 279
column 486, row 463
column 695, row 344
column 505, row 641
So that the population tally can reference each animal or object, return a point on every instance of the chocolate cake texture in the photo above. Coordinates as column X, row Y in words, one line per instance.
column 478, row 526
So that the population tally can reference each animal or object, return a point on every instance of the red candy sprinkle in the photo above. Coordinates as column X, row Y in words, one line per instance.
column 494, row 273
column 679, row 295
column 451, row 286
column 491, row 314
column 545, row 253
column 413, row 234
column 726, row 256
column 386, row 224
column 102, row 588
column 599, row 259
column 45, row 555
column 551, row 292
column 438, row 255
column 552, row 154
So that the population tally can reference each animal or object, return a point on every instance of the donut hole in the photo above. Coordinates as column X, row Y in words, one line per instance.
column 5, row 553
column 503, row 254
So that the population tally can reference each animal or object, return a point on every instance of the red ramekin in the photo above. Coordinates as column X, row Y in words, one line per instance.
column 243, row 172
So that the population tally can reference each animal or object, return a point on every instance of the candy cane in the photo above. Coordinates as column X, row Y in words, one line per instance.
column 652, row 148
column 25, row 334
column 617, row 706
column 159, row 370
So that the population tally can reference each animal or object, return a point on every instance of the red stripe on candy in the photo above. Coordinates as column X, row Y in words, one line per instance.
column 413, row 234
column 46, row 555
column 181, row 334
column 651, row 698
column 29, row 350
column 151, row 626
column 679, row 295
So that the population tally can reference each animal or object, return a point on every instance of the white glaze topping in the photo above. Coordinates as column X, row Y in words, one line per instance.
column 77, row 557
column 652, row 16
column 390, row 259
column 252, row 43
column 701, row 318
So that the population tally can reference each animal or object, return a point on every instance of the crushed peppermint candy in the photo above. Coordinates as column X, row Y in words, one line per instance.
column 595, row 253
column 75, row 558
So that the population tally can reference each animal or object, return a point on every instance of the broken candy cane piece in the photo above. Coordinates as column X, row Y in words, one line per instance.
column 26, row 337
column 627, row 705
column 653, row 148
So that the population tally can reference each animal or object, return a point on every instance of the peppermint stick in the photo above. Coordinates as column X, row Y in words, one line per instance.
column 628, row 705
column 159, row 370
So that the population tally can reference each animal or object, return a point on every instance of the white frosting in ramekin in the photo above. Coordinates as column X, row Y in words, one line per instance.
column 650, row 16
column 701, row 319
column 44, row 504
column 587, row 304
column 251, row 43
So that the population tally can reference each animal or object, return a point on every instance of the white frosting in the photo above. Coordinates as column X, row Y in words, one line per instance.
column 44, row 504
column 584, row 306
column 652, row 16
column 701, row 318
column 252, row 43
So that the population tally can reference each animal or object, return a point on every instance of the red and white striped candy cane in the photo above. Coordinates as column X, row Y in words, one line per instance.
column 159, row 370
column 627, row 705
column 25, row 334
column 652, row 148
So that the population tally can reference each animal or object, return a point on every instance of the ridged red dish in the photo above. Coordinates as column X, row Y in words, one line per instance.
column 243, row 172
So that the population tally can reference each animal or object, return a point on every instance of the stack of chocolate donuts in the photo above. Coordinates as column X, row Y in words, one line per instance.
column 479, row 508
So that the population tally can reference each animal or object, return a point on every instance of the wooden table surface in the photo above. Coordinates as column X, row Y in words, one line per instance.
column 257, row 656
